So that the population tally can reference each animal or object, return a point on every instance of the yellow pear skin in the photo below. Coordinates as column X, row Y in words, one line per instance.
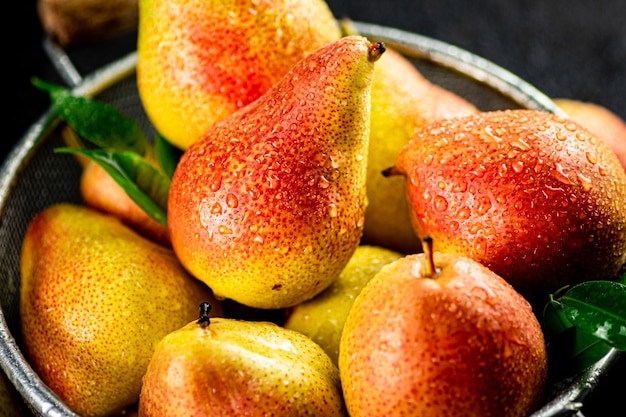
column 601, row 121
column 323, row 317
column 200, row 60
column 96, row 297
column 267, row 206
column 231, row 367
column 458, row 342
column 403, row 101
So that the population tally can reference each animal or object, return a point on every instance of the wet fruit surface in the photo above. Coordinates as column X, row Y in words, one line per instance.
column 532, row 196
column 95, row 298
column 235, row 367
column 268, row 206
column 462, row 343
column 199, row 61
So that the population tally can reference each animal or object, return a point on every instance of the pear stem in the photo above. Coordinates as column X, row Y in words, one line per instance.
column 391, row 171
column 205, row 309
column 431, row 269
column 376, row 51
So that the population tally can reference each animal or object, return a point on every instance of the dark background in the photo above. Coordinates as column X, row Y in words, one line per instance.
column 574, row 48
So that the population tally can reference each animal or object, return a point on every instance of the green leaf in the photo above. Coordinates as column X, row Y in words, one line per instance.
column 46, row 86
column 570, row 350
column 100, row 123
column 166, row 154
column 598, row 308
column 143, row 183
column 555, row 322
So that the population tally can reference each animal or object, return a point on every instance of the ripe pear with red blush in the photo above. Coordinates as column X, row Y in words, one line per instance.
column 533, row 196
column 267, row 206
column 227, row 367
column 438, row 334
column 600, row 120
column 199, row 60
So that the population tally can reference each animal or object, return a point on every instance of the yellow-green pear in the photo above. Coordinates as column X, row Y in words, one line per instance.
column 322, row 318
column 227, row 367
column 96, row 297
column 403, row 101
column 267, row 206
column 201, row 60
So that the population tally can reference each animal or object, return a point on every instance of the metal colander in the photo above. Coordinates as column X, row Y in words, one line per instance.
column 33, row 177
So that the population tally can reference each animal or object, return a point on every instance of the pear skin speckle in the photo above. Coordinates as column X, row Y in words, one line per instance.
column 322, row 318
column 234, row 367
column 463, row 343
column 533, row 196
column 267, row 207
column 199, row 61
column 95, row 299
column 601, row 121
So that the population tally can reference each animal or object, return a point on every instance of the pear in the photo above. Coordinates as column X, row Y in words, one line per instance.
column 600, row 120
column 95, row 299
column 199, row 60
column 533, row 196
column 267, row 206
column 403, row 101
column 322, row 318
column 100, row 191
column 438, row 334
column 228, row 367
